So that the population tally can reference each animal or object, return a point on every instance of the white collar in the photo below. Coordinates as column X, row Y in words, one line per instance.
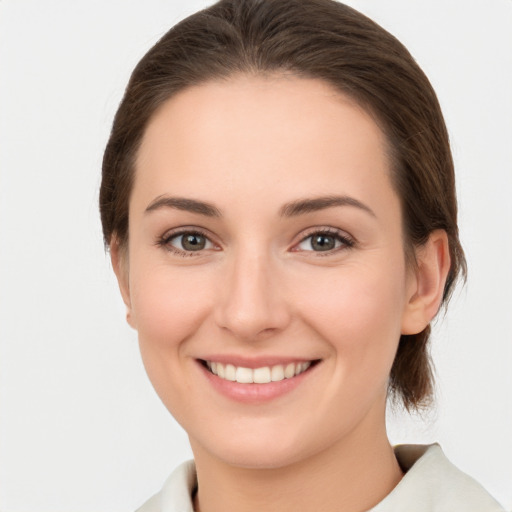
column 431, row 484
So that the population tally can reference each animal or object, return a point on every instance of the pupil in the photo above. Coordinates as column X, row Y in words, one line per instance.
column 193, row 242
column 323, row 243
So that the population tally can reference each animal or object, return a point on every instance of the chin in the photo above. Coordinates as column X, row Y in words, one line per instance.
column 259, row 458
column 258, row 449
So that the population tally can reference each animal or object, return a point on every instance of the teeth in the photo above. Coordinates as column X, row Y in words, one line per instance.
column 277, row 373
column 230, row 373
column 244, row 375
column 261, row 375
column 290, row 369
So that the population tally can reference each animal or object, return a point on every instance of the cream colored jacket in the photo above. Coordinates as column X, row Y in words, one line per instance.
column 431, row 484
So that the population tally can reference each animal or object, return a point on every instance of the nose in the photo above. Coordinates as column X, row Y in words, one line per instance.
column 251, row 303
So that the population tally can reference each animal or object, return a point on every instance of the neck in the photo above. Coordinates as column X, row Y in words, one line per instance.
column 353, row 475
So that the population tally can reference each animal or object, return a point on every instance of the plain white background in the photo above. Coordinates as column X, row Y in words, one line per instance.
column 80, row 426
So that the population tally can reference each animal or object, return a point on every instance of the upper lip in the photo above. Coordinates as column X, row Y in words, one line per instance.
column 255, row 362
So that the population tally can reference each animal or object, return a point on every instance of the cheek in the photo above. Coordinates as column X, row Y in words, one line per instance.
column 168, row 305
column 358, row 311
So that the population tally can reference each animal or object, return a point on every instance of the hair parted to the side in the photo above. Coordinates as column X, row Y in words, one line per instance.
column 320, row 39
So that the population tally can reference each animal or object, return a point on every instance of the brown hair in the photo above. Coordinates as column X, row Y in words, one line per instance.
column 320, row 39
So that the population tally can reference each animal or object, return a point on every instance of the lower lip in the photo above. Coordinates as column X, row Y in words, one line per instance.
column 254, row 393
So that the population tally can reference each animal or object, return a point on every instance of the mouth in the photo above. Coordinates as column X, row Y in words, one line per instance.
column 256, row 382
column 261, row 375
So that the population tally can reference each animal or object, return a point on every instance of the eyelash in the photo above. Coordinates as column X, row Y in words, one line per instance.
column 346, row 241
column 165, row 241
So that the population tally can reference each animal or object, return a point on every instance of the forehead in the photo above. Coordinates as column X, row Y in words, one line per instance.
column 259, row 132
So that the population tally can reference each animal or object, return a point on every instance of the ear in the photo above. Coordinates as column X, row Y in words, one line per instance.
column 427, row 280
column 119, row 258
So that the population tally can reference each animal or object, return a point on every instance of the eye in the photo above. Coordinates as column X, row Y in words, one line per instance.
column 324, row 241
column 187, row 242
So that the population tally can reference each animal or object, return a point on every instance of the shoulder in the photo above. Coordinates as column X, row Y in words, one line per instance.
column 433, row 484
column 176, row 493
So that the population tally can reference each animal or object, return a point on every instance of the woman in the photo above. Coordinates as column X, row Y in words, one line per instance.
column 278, row 198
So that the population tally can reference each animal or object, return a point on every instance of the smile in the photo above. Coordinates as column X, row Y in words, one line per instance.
column 262, row 375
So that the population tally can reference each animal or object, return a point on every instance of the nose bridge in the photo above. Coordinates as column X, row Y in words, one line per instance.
column 251, row 303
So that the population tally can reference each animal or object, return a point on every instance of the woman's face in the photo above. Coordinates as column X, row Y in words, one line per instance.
column 265, row 243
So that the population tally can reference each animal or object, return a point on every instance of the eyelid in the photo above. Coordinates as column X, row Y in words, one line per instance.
column 165, row 239
column 346, row 239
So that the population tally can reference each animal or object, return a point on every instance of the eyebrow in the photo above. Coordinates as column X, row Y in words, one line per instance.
column 292, row 209
column 182, row 203
column 302, row 206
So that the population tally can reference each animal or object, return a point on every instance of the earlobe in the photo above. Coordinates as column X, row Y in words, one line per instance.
column 428, row 281
column 119, row 258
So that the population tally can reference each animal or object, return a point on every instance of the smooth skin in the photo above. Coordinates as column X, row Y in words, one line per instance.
column 256, row 281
